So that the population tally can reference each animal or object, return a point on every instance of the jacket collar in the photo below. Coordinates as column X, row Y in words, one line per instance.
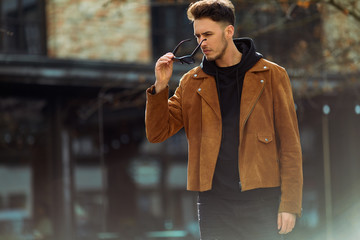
column 261, row 66
column 198, row 73
column 253, row 89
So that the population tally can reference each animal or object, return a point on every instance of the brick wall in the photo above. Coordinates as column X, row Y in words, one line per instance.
column 111, row 30
column 341, row 40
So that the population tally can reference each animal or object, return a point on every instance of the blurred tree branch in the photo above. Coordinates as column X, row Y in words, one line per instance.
column 288, row 21
column 355, row 13
column 283, row 23
column 348, row 7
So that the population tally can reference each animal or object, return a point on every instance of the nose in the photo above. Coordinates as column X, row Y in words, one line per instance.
column 204, row 43
column 199, row 39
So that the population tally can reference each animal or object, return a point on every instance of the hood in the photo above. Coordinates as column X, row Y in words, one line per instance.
column 249, row 57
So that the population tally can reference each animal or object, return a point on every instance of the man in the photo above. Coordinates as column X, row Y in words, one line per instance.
column 238, row 113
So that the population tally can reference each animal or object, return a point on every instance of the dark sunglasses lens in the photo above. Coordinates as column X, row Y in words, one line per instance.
column 188, row 60
column 180, row 43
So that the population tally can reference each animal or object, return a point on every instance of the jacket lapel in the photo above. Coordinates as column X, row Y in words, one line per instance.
column 208, row 92
column 253, row 87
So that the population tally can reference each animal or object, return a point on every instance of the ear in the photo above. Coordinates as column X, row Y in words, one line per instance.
column 229, row 31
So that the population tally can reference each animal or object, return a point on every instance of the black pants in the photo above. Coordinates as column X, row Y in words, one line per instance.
column 221, row 219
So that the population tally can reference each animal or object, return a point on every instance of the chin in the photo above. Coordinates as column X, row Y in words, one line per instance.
column 209, row 58
column 213, row 57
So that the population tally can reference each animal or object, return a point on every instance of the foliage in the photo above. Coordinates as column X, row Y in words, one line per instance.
column 313, row 39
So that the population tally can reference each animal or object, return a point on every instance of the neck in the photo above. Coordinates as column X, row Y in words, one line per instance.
column 231, row 57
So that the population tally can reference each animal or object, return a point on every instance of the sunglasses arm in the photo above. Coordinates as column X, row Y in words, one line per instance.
column 177, row 46
column 198, row 46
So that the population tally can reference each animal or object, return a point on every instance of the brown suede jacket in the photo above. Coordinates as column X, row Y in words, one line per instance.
column 269, row 149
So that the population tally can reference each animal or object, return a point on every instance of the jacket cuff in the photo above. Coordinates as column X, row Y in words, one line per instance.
column 152, row 95
column 290, row 208
column 151, row 90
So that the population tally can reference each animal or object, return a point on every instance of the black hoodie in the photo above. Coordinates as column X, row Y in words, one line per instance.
column 229, row 82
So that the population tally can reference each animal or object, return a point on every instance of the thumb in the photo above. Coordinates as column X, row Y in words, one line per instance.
column 279, row 220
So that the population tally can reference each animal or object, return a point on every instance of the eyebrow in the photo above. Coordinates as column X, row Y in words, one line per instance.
column 204, row 33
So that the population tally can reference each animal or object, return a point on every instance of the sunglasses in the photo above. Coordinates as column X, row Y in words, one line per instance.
column 189, row 59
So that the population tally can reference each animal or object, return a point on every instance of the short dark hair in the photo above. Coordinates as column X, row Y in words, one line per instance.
column 216, row 10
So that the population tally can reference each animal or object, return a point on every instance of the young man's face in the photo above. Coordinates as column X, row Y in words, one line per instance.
column 216, row 44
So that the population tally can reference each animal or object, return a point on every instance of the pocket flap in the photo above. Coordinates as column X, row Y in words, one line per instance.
column 265, row 138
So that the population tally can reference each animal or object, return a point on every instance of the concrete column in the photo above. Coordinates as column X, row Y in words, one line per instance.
column 62, row 177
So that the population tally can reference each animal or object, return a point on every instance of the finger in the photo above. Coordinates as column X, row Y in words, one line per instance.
column 284, row 225
column 291, row 219
column 279, row 221
column 291, row 225
column 163, row 63
column 283, row 229
column 167, row 57
column 287, row 230
column 287, row 227
column 169, row 54
column 164, row 59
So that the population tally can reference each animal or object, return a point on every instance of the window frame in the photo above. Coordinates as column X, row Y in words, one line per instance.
column 17, row 42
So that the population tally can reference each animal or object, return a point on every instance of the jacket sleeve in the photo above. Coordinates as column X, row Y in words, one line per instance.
column 163, row 116
column 288, row 139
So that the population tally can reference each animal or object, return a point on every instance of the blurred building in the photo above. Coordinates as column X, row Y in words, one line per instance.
column 74, row 161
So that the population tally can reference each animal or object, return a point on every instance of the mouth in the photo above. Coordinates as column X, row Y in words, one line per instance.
column 206, row 51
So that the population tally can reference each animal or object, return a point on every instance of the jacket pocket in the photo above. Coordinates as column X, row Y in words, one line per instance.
column 265, row 138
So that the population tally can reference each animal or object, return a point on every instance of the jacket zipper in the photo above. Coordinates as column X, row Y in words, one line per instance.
column 241, row 130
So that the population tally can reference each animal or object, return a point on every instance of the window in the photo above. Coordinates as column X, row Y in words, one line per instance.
column 170, row 25
column 292, row 41
column 22, row 25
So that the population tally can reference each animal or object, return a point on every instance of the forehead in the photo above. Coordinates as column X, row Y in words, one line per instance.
column 206, row 25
